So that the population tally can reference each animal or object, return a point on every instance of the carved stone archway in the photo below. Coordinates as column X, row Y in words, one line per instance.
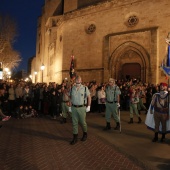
column 126, row 53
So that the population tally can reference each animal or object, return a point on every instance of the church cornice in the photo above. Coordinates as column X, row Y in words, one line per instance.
column 56, row 21
column 102, row 6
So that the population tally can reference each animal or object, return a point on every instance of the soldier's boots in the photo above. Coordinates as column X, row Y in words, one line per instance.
column 131, row 121
column 163, row 138
column 84, row 138
column 155, row 139
column 139, row 120
column 63, row 121
column 117, row 126
column 108, row 127
column 74, row 140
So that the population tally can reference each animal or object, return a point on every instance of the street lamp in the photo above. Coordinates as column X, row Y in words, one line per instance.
column 35, row 76
column 42, row 69
column 30, row 76
column 8, row 76
column 6, row 70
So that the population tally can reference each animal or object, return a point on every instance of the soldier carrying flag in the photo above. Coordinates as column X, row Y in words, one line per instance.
column 72, row 70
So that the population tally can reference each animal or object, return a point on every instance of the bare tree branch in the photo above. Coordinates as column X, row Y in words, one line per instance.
column 9, row 57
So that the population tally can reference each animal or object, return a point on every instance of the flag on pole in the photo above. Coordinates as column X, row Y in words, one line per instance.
column 72, row 69
column 168, row 57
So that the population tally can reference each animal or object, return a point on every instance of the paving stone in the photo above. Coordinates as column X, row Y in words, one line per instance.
column 43, row 144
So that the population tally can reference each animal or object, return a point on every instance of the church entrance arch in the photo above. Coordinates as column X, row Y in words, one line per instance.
column 129, row 59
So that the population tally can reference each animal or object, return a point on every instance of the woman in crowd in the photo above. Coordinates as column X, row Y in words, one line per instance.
column 101, row 95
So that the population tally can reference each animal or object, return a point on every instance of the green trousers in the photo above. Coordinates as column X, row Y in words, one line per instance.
column 133, row 108
column 79, row 116
column 111, row 110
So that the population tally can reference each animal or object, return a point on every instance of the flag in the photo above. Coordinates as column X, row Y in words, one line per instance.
column 168, row 57
column 72, row 69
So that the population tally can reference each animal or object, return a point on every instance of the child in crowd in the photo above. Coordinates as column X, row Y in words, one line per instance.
column 32, row 111
column 20, row 112
column 26, row 112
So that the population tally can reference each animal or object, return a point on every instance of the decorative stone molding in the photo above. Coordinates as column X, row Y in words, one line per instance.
column 54, row 22
column 131, row 19
column 90, row 28
column 97, row 8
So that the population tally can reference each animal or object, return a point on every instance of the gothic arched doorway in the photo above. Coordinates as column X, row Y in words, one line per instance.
column 129, row 59
column 131, row 70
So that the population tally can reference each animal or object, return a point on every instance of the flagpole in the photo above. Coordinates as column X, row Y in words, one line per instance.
column 168, row 64
column 72, row 67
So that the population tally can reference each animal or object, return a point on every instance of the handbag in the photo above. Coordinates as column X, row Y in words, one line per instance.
column 102, row 100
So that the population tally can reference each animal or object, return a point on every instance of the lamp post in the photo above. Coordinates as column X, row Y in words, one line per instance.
column 30, row 76
column 9, row 76
column 35, row 76
column 42, row 69
column 6, row 70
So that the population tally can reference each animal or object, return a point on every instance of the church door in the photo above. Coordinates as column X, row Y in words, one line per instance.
column 131, row 70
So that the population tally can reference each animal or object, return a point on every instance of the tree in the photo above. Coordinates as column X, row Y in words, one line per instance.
column 8, row 56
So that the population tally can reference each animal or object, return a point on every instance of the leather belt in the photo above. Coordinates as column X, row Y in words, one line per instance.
column 65, row 101
column 77, row 105
column 109, row 102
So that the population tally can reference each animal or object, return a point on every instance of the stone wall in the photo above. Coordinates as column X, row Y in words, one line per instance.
column 99, row 37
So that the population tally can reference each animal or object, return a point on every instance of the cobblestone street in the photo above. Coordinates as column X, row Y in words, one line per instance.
column 43, row 144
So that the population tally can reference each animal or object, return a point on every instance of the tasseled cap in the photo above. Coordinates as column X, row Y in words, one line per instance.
column 164, row 84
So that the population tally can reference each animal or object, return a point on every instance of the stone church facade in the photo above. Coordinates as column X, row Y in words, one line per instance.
column 108, row 38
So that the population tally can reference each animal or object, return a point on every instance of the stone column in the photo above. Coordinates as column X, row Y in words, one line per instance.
column 154, row 57
column 106, row 57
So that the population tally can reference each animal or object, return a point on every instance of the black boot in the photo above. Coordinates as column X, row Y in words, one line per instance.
column 140, row 120
column 84, row 136
column 74, row 140
column 139, row 112
column 63, row 121
column 131, row 121
column 108, row 127
column 155, row 139
column 163, row 138
column 117, row 126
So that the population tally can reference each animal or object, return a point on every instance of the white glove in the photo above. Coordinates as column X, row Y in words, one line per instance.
column 118, row 104
column 69, row 109
column 88, row 109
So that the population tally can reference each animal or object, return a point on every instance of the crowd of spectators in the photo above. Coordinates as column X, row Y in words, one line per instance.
column 23, row 100
column 144, row 91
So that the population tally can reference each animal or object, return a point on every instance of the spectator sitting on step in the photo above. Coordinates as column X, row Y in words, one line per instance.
column 32, row 111
column 4, row 117
column 20, row 112
column 27, row 112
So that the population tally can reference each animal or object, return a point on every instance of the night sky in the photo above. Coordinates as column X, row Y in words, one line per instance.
column 25, row 13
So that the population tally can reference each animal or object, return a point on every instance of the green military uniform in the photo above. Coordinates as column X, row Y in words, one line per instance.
column 112, row 93
column 64, row 105
column 79, row 100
